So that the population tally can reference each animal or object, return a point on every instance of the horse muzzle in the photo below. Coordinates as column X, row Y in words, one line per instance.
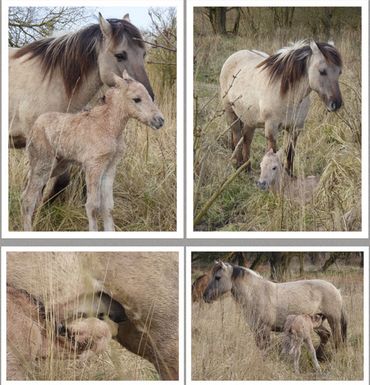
column 262, row 185
column 157, row 122
column 334, row 105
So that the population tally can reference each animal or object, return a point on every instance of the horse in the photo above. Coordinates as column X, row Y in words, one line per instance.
column 63, row 73
column 298, row 330
column 198, row 287
column 94, row 139
column 274, row 177
column 145, row 285
column 266, row 305
column 258, row 90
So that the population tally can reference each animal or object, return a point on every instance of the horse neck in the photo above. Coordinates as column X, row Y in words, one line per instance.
column 118, row 116
column 87, row 89
column 299, row 91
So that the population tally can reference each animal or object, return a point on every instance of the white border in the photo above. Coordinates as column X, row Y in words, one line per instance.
column 179, row 250
column 365, row 250
column 179, row 233
column 364, row 112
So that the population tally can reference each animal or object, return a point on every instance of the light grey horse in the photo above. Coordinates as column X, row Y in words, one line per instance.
column 266, row 305
column 259, row 90
column 63, row 73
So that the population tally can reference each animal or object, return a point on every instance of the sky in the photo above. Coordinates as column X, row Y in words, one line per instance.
column 138, row 15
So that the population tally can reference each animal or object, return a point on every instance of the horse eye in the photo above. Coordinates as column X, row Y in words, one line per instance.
column 144, row 54
column 274, row 168
column 323, row 72
column 137, row 100
column 121, row 56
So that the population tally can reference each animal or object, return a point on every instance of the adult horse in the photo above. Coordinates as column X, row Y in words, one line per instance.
column 259, row 90
column 266, row 305
column 64, row 73
column 142, row 287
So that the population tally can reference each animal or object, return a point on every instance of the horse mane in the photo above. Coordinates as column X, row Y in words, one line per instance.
column 75, row 54
column 289, row 64
column 240, row 272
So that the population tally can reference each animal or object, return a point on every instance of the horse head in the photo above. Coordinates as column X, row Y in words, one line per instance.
column 122, row 49
column 137, row 102
column 271, row 169
column 220, row 282
column 324, row 69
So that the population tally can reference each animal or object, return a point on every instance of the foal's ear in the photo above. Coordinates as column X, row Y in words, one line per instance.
column 126, row 77
column 127, row 18
column 105, row 26
column 118, row 81
column 331, row 42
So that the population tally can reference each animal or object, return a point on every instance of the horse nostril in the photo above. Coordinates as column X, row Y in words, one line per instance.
column 333, row 106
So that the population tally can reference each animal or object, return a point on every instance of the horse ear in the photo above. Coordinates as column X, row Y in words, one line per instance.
column 127, row 17
column 223, row 265
column 315, row 49
column 105, row 26
column 331, row 42
column 270, row 151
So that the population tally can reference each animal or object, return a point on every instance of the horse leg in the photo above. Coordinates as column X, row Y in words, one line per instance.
column 32, row 195
column 262, row 337
column 290, row 152
column 324, row 335
column 94, row 174
column 335, row 327
column 248, row 133
column 236, row 133
column 271, row 130
column 312, row 352
column 107, row 201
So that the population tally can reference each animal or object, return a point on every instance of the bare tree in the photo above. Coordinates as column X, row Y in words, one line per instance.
column 27, row 24
column 218, row 19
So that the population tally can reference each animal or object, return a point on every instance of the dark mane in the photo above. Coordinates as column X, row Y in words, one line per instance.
column 238, row 272
column 290, row 67
column 75, row 55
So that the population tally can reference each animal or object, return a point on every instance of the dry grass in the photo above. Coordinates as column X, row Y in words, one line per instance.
column 329, row 146
column 115, row 364
column 227, row 351
column 144, row 189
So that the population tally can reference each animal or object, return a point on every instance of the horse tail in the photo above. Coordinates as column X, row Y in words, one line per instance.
column 343, row 324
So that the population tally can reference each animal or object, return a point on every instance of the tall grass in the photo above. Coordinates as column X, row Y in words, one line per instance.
column 329, row 146
column 227, row 349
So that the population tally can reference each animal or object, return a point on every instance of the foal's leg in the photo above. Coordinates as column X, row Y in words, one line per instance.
column 94, row 175
column 38, row 176
column 312, row 352
column 107, row 201
column 297, row 356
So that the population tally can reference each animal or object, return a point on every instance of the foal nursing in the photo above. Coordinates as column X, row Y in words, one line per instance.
column 93, row 139
column 298, row 330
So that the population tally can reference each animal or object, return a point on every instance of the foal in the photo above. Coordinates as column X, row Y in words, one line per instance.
column 298, row 330
column 275, row 178
column 93, row 139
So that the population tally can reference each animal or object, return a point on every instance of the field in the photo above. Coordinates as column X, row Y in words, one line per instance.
column 329, row 146
column 227, row 351
column 145, row 184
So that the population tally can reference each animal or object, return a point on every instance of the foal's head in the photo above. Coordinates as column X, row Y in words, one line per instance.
column 136, row 101
column 220, row 283
column 271, row 169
